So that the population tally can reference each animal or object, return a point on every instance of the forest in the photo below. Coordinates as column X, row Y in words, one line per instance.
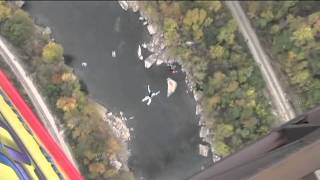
column 235, row 103
column 206, row 38
column 90, row 138
column 290, row 32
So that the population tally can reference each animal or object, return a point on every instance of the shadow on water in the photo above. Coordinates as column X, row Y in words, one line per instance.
column 68, row 59
column 83, row 87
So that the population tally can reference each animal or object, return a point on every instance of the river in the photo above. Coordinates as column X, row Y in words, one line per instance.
column 165, row 139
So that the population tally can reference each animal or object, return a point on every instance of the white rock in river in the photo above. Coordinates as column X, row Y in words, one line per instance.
column 139, row 53
column 203, row 132
column 147, row 64
column 150, row 61
column 203, row 150
column 133, row 5
column 47, row 31
column 152, row 29
column 198, row 110
column 144, row 45
column 159, row 62
column 202, row 121
column 172, row 86
column 124, row 5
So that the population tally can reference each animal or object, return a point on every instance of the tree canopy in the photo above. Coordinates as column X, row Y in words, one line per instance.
column 291, row 32
column 52, row 52
column 18, row 28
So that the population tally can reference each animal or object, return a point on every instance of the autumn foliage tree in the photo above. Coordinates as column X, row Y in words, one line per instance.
column 52, row 52
column 67, row 104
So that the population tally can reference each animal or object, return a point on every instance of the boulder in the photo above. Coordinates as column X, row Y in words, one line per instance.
column 150, row 61
column 133, row 5
column 159, row 62
column 172, row 86
column 152, row 29
column 198, row 109
column 203, row 132
column 124, row 5
column 203, row 150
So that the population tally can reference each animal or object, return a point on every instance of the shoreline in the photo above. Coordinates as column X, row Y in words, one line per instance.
column 120, row 130
column 121, row 160
column 159, row 54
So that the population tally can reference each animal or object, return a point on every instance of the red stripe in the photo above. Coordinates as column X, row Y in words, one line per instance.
column 50, row 144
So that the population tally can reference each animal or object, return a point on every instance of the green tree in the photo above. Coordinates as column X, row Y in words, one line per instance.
column 53, row 92
column 303, row 35
column 301, row 77
column 19, row 28
column 170, row 28
column 195, row 20
column 224, row 131
column 217, row 51
column 221, row 148
column 226, row 33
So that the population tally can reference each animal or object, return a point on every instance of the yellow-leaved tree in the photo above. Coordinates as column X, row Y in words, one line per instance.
column 52, row 52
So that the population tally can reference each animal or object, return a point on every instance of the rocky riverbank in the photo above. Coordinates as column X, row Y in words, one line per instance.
column 121, row 131
column 160, row 54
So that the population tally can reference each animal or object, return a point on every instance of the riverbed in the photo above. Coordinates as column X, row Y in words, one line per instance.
column 165, row 137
